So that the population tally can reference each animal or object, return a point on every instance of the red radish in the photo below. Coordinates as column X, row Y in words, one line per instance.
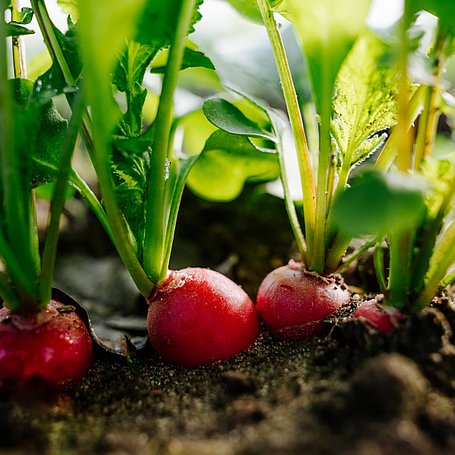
column 294, row 302
column 198, row 316
column 53, row 346
column 372, row 313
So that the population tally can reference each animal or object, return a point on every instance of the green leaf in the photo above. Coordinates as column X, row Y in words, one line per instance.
column 441, row 175
column 70, row 7
column 25, row 16
column 229, row 118
column 249, row 8
column 163, row 16
column 365, row 99
column 191, row 59
column 327, row 30
column 134, row 144
column 128, row 78
column 104, row 31
column 379, row 203
column 14, row 29
column 227, row 162
column 52, row 82
column 40, row 134
column 46, row 191
column 133, row 63
column 443, row 9
column 130, row 176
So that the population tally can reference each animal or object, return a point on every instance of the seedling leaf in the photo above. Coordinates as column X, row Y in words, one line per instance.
column 377, row 203
column 192, row 58
column 227, row 162
column 52, row 82
column 230, row 119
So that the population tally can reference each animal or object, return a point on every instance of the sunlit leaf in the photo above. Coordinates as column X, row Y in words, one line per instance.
column 249, row 8
column 227, row 162
column 365, row 99
column 229, row 118
column 192, row 58
column 327, row 30
column 70, row 7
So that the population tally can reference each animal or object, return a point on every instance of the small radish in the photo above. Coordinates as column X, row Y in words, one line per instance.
column 53, row 346
column 198, row 316
column 293, row 302
column 382, row 319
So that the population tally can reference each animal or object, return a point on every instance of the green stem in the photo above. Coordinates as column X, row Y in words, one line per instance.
column 428, row 119
column 290, row 206
column 404, row 144
column 378, row 261
column 56, row 52
column 84, row 190
column 119, row 228
column 18, row 49
column 156, row 216
column 447, row 280
column 50, row 39
column 442, row 258
column 400, row 268
column 16, row 202
column 10, row 298
column 174, row 208
column 318, row 258
column 58, row 202
column 389, row 151
column 15, row 270
column 295, row 118
column 336, row 251
column 356, row 255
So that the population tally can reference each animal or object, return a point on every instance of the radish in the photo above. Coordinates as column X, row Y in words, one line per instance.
column 375, row 315
column 198, row 316
column 53, row 346
column 293, row 302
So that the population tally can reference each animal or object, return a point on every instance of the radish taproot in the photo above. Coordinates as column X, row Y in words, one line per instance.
column 293, row 302
column 53, row 346
column 198, row 316
column 380, row 318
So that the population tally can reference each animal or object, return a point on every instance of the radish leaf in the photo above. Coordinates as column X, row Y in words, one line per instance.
column 229, row 118
column 249, row 8
column 163, row 16
column 52, row 82
column 192, row 58
column 365, row 99
column 377, row 203
column 227, row 162
column 46, row 130
column 327, row 30
column 70, row 7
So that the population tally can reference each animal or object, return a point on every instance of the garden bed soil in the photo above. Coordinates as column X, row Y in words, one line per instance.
column 350, row 392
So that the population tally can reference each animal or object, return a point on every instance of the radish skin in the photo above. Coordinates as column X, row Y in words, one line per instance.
column 198, row 316
column 53, row 347
column 293, row 302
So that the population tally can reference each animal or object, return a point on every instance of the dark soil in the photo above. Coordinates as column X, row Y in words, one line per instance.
column 352, row 392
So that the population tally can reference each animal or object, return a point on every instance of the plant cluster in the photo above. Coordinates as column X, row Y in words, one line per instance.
column 366, row 96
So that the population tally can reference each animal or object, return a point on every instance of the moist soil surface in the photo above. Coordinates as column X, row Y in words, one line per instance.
column 351, row 391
